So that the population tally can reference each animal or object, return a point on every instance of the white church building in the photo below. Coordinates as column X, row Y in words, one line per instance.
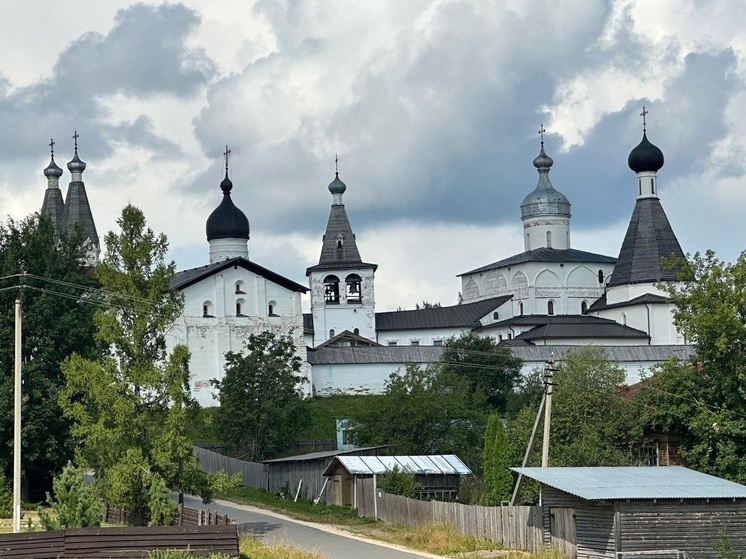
column 542, row 302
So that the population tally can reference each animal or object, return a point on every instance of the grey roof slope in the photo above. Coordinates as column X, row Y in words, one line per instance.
column 642, row 482
column 54, row 207
column 322, row 454
column 361, row 355
column 540, row 319
column 546, row 255
column 185, row 278
column 430, row 464
column 649, row 238
column 334, row 257
column 455, row 316
column 77, row 209
column 554, row 331
column 646, row 299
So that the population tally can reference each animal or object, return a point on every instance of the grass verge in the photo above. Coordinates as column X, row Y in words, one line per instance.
column 255, row 549
column 439, row 539
column 302, row 510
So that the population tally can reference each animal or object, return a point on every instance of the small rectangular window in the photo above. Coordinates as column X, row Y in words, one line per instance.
column 438, row 342
column 415, row 342
column 393, row 343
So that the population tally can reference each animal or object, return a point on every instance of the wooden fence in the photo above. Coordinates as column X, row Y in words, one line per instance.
column 253, row 474
column 187, row 517
column 513, row 527
column 122, row 543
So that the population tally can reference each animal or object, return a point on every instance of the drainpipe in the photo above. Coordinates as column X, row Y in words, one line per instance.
column 647, row 308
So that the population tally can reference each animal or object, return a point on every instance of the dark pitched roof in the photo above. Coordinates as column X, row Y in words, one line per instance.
column 77, row 209
column 352, row 339
column 646, row 299
column 567, row 326
column 360, row 355
column 457, row 316
column 185, row 278
column 334, row 257
column 54, row 207
column 581, row 330
column 649, row 238
column 546, row 255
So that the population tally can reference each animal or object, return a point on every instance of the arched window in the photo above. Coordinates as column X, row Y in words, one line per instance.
column 240, row 287
column 652, row 186
column 584, row 307
column 520, row 309
column 600, row 276
column 550, row 308
column 549, row 239
column 356, row 331
column 238, row 308
column 207, row 309
column 624, row 319
column 339, row 240
column 272, row 308
column 639, row 184
column 353, row 293
column 495, row 315
column 331, row 333
column 331, row 290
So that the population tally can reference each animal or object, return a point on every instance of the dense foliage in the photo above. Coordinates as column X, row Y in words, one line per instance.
column 498, row 479
column 398, row 482
column 129, row 408
column 261, row 397
column 75, row 503
column 56, row 323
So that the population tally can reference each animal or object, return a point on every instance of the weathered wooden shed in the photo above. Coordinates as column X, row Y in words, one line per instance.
column 438, row 476
column 621, row 513
column 288, row 472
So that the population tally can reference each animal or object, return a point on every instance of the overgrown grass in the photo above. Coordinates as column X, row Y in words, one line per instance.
column 302, row 510
column 254, row 549
column 439, row 539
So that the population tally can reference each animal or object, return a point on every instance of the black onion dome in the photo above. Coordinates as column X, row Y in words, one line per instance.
column 337, row 186
column 52, row 171
column 645, row 157
column 227, row 221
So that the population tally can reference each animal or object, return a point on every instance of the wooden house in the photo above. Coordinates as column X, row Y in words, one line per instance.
column 305, row 470
column 437, row 476
column 620, row 513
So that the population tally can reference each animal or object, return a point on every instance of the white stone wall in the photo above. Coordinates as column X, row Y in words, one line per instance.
column 368, row 378
column 210, row 337
column 546, row 232
column 534, row 284
column 422, row 336
column 343, row 316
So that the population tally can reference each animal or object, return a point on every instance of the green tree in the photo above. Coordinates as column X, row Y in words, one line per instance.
column 424, row 411
column 75, row 503
column 129, row 407
column 55, row 324
column 498, row 479
column 261, row 397
column 398, row 482
column 591, row 424
column 704, row 401
column 491, row 371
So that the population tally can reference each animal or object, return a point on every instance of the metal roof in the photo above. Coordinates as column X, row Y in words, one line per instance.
column 646, row 299
column 622, row 353
column 185, row 278
column 455, row 316
column 433, row 464
column 649, row 238
column 322, row 454
column 555, row 331
column 651, row 482
column 546, row 255
column 361, row 355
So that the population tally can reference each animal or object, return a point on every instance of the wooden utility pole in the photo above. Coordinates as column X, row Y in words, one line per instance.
column 529, row 450
column 548, row 389
column 17, row 411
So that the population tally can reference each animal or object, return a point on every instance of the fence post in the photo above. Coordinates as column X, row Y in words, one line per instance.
column 181, row 514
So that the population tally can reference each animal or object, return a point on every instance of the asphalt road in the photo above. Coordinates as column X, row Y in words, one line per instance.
column 330, row 542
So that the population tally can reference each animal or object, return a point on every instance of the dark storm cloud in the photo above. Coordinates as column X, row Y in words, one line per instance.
column 144, row 55
column 439, row 126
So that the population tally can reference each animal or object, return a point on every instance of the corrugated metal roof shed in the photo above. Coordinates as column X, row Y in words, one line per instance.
column 446, row 464
column 613, row 483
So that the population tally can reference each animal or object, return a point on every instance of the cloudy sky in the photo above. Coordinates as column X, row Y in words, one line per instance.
column 432, row 105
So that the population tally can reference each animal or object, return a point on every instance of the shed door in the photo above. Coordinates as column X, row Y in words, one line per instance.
column 562, row 530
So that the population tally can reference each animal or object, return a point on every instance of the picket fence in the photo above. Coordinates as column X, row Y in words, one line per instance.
column 513, row 527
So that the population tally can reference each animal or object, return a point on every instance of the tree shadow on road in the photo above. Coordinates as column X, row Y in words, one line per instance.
column 257, row 528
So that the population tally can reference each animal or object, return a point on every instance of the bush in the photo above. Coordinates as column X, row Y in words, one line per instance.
column 397, row 482
column 75, row 503
column 6, row 498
